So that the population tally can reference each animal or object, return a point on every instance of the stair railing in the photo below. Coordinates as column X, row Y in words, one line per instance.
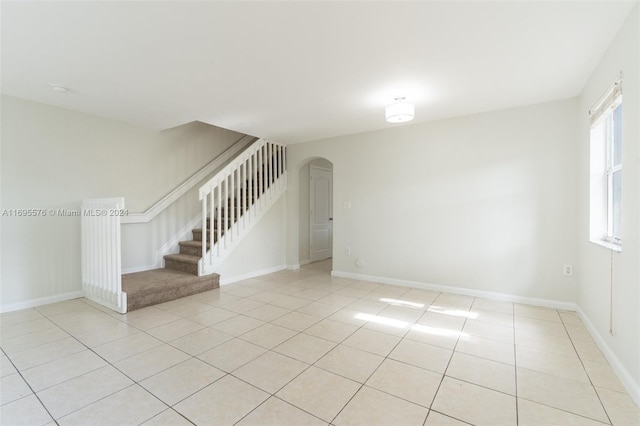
column 237, row 197
column 101, row 255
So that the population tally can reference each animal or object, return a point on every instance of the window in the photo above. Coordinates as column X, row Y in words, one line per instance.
column 605, row 219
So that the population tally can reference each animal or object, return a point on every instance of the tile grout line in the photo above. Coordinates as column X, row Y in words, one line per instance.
column 33, row 392
column 386, row 357
column 429, row 408
column 564, row 325
column 374, row 371
column 267, row 351
column 313, row 365
column 272, row 350
column 273, row 395
column 444, row 373
column 339, row 343
column 560, row 377
column 297, row 333
column 135, row 382
column 108, row 364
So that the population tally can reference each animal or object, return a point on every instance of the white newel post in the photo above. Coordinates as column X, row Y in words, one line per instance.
column 101, row 261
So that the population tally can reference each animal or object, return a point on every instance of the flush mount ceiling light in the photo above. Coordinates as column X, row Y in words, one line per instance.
column 400, row 111
column 58, row 88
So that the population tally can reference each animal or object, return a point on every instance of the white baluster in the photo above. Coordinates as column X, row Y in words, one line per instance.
column 101, row 251
column 272, row 168
column 240, row 197
column 249, row 187
column 268, row 162
column 226, row 211
column 265, row 161
column 203, row 237
column 243, row 177
column 279, row 167
column 232, row 208
column 118, row 259
column 260, row 175
column 254, row 178
column 219, row 218
column 109, row 257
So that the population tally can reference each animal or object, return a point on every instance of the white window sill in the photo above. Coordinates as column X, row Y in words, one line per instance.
column 607, row 244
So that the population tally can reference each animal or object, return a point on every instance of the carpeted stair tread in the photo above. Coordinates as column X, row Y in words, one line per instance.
column 193, row 247
column 193, row 243
column 183, row 262
column 197, row 233
column 162, row 285
column 183, row 258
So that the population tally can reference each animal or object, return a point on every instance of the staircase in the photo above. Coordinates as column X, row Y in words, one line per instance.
column 233, row 202
column 190, row 255
column 243, row 198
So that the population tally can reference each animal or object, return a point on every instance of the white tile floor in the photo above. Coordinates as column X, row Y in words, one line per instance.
column 297, row 348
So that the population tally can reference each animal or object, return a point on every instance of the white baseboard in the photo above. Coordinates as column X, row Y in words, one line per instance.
column 554, row 304
column 249, row 275
column 627, row 380
column 32, row 303
column 294, row 267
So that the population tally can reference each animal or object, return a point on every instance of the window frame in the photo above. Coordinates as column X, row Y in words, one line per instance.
column 605, row 227
column 612, row 169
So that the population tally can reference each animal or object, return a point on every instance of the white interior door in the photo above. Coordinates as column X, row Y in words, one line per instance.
column 321, row 210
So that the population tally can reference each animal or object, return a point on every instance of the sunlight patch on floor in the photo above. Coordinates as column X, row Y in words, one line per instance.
column 452, row 312
column 438, row 331
column 398, row 302
column 382, row 320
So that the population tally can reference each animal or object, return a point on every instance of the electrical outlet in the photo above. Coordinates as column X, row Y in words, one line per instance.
column 347, row 250
column 567, row 270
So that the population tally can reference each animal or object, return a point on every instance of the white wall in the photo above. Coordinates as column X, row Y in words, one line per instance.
column 623, row 348
column 53, row 158
column 484, row 202
column 261, row 251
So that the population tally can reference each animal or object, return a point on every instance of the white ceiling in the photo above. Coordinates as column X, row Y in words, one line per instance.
column 299, row 71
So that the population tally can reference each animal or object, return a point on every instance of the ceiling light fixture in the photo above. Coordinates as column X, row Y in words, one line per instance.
column 400, row 111
column 59, row 89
